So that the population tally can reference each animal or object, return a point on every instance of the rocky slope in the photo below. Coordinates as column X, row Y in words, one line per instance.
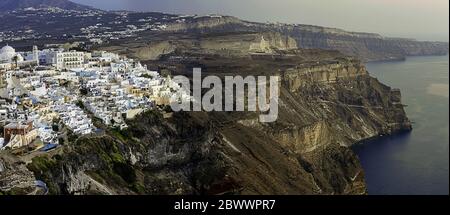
column 226, row 45
column 15, row 178
column 325, row 106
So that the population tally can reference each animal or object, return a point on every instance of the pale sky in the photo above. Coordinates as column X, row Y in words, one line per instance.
column 418, row 19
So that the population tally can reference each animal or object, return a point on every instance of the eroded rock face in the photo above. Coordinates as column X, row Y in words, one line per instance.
column 230, row 45
column 15, row 178
column 267, row 42
column 324, row 108
column 365, row 46
column 154, row 50
column 206, row 24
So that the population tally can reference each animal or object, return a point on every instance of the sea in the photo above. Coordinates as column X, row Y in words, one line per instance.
column 415, row 163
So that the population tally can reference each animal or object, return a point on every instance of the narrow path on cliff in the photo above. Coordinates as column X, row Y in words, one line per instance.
column 349, row 105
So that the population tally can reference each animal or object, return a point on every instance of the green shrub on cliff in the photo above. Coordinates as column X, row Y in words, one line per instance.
column 43, row 168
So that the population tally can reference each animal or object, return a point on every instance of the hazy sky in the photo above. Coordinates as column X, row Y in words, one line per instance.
column 419, row 19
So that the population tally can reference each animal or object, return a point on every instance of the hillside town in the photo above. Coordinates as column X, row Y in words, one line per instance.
column 48, row 95
column 89, row 26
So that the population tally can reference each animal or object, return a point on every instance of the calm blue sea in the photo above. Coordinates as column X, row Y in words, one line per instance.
column 414, row 163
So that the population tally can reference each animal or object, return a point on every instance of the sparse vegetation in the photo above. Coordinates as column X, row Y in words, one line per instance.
column 43, row 168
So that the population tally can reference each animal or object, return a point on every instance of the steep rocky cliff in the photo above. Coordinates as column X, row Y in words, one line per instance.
column 368, row 47
column 365, row 46
column 325, row 106
column 15, row 178
column 227, row 45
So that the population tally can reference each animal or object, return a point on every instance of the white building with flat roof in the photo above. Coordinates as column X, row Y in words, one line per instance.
column 69, row 60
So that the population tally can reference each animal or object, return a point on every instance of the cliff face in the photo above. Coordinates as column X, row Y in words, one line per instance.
column 15, row 178
column 368, row 47
column 155, row 156
column 209, row 24
column 343, row 99
column 267, row 42
column 365, row 46
column 324, row 107
column 227, row 45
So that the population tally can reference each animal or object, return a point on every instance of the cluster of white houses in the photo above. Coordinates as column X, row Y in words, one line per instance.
column 42, row 91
